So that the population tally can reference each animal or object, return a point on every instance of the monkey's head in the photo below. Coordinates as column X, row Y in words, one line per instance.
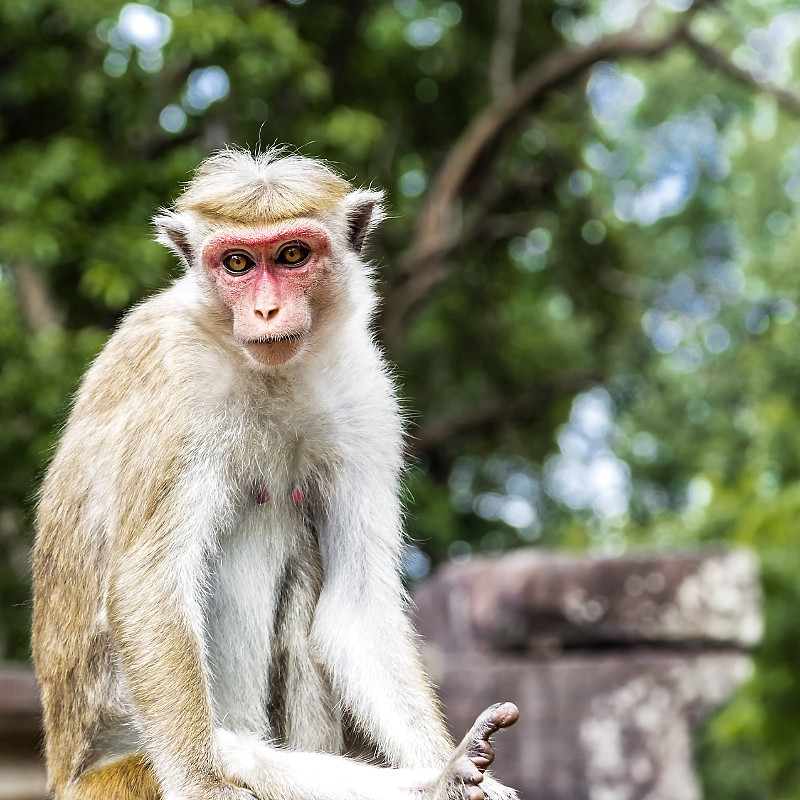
column 276, row 242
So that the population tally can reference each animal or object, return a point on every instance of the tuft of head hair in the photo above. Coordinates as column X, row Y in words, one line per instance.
column 248, row 189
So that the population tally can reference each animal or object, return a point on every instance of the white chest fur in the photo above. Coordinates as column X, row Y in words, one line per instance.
column 265, row 583
column 243, row 605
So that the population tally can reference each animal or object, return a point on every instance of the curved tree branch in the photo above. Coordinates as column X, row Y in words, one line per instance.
column 432, row 435
column 719, row 61
column 501, row 60
column 422, row 265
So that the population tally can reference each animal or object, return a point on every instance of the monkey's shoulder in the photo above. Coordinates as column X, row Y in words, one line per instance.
column 161, row 348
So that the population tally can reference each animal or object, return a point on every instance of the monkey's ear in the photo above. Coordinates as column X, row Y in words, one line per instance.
column 363, row 210
column 171, row 231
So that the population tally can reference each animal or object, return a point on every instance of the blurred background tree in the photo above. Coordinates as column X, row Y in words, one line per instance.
column 589, row 272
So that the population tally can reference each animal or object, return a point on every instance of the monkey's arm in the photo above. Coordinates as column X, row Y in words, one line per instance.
column 363, row 630
column 156, row 622
column 276, row 774
column 361, row 624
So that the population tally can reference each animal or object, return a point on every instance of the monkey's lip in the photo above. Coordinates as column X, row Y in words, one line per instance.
column 275, row 350
column 281, row 339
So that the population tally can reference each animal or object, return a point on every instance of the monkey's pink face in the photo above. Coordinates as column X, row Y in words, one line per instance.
column 272, row 279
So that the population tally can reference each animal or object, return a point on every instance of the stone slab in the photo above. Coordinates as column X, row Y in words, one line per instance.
column 536, row 601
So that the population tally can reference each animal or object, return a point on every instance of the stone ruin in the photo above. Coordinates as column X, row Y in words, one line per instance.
column 613, row 662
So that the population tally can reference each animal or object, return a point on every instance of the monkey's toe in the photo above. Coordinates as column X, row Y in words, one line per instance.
column 504, row 715
column 473, row 793
column 501, row 715
column 481, row 753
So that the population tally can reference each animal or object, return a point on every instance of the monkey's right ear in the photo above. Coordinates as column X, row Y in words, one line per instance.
column 171, row 231
column 364, row 210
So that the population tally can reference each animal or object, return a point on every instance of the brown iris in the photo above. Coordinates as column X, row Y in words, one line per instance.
column 293, row 254
column 236, row 263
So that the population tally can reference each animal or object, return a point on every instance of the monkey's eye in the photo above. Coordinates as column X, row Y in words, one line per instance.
column 293, row 254
column 237, row 263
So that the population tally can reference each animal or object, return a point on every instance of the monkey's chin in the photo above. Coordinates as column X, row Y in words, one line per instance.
column 275, row 352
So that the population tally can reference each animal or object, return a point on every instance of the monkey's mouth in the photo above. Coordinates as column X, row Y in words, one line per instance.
column 284, row 338
column 273, row 351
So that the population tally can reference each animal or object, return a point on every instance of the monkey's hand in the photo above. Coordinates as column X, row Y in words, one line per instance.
column 463, row 778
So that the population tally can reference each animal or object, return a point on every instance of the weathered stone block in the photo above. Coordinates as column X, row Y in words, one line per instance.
column 595, row 726
column 20, row 709
column 612, row 662
column 22, row 774
column 534, row 601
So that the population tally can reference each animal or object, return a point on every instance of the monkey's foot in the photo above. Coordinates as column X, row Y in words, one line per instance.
column 225, row 791
column 463, row 776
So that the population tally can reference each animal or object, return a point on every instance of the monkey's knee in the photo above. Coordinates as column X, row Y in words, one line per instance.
column 130, row 778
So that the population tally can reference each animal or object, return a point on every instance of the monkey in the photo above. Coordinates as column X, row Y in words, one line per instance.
column 218, row 605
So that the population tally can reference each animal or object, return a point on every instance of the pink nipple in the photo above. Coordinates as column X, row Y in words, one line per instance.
column 260, row 495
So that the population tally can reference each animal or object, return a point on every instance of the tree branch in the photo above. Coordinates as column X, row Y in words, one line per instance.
column 433, row 435
column 422, row 265
column 501, row 60
column 719, row 61
column 38, row 307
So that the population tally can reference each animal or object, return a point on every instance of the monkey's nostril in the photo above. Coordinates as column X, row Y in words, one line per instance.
column 268, row 313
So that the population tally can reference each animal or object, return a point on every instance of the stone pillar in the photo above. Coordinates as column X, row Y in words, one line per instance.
column 21, row 769
column 612, row 662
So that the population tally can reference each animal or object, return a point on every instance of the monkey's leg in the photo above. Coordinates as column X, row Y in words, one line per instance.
column 132, row 778
column 274, row 774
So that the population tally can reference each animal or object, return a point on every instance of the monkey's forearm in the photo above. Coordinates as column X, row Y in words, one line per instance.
column 363, row 630
column 378, row 671
column 275, row 774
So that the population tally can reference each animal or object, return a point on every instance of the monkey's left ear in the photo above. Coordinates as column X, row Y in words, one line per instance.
column 172, row 233
column 363, row 210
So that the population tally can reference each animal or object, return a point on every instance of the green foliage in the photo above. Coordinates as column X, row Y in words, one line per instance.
column 747, row 750
column 569, row 295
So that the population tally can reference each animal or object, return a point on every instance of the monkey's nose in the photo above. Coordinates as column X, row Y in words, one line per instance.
column 267, row 314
